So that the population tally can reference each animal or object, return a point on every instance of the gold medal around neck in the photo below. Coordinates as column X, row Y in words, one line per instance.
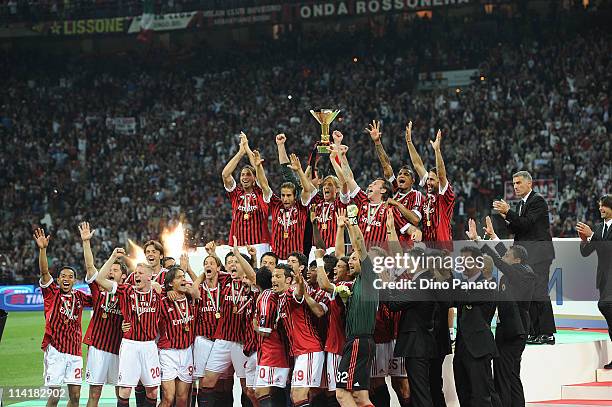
column 186, row 328
column 235, row 309
column 428, row 223
column 369, row 228
column 285, row 235
column 324, row 226
column 218, row 315
column 104, row 315
column 66, row 321
column 246, row 216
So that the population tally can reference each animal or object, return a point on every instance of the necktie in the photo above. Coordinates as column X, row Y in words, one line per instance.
column 605, row 230
column 520, row 211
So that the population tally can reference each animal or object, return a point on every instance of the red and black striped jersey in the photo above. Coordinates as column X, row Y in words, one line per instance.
column 63, row 318
column 234, row 300
column 250, row 337
column 141, row 310
column 372, row 219
column 325, row 217
column 384, row 330
column 413, row 200
column 437, row 214
column 321, row 323
column 288, row 226
column 249, row 216
column 104, row 330
column 209, row 307
column 299, row 324
column 176, row 323
column 336, row 333
column 271, row 350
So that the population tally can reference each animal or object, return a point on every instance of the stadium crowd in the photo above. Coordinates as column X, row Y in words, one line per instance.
column 542, row 105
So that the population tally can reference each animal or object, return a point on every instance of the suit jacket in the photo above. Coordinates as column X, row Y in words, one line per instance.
column 532, row 228
column 603, row 247
column 474, row 336
column 415, row 338
column 516, row 289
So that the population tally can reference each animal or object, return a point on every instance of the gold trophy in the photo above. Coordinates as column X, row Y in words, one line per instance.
column 324, row 117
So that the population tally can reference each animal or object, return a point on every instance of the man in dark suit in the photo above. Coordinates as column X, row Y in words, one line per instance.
column 475, row 345
column 530, row 224
column 599, row 240
column 516, row 288
column 416, row 342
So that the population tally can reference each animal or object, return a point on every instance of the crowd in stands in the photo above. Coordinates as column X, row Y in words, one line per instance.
column 542, row 105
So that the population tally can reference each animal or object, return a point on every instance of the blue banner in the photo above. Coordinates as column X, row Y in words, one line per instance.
column 26, row 297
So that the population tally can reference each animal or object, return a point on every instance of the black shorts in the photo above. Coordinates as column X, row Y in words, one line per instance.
column 356, row 363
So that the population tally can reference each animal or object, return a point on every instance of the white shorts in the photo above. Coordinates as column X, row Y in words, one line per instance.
column 333, row 361
column 384, row 364
column 250, row 369
column 176, row 363
column 102, row 367
column 271, row 376
column 225, row 354
column 61, row 368
column 307, row 370
column 201, row 351
column 138, row 361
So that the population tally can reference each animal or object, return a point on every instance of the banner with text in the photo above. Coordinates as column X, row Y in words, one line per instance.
column 167, row 22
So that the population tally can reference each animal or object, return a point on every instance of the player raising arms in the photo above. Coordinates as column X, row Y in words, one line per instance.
column 176, row 335
column 288, row 214
column 249, row 210
column 138, row 356
column 104, row 331
column 208, row 315
column 227, row 350
column 406, row 199
column 440, row 200
column 372, row 208
column 62, row 340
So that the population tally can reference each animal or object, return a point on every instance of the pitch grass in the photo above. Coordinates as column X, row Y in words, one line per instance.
column 21, row 359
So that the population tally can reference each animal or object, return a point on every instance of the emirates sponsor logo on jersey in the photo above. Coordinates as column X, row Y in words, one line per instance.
column 143, row 308
column 65, row 312
column 286, row 222
column 237, row 299
column 209, row 308
column 181, row 321
column 374, row 223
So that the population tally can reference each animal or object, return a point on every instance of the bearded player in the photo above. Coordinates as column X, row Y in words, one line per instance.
column 138, row 356
column 440, row 200
column 289, row 215
column 104, row 332
column 405, row 198
column 62, row 340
